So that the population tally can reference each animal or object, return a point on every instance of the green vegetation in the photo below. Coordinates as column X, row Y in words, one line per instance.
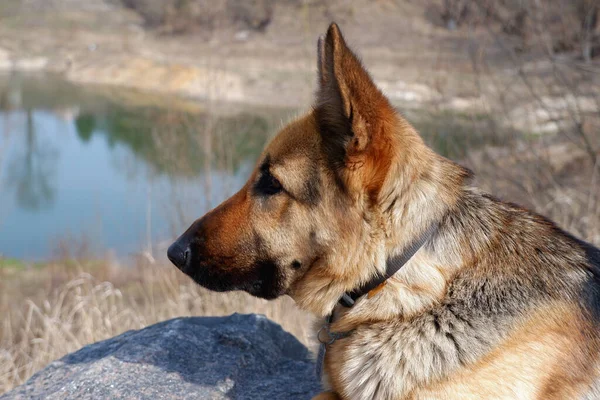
column 453, row 133
column 180, row 143
column 12, row 263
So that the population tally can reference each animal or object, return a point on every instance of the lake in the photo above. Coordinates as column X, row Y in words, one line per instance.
column 84, row 168
column 93, row 169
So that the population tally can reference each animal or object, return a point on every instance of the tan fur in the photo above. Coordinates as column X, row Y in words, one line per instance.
column 499, row 303
column 543, row 359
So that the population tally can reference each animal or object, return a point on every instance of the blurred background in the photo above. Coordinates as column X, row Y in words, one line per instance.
column 121, row 121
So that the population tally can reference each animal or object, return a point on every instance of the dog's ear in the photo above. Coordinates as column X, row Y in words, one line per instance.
column 350, row 109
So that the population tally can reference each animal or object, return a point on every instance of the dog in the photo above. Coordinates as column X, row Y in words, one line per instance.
column 430, row 288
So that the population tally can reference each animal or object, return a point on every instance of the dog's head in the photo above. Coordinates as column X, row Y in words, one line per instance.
column 310, row 213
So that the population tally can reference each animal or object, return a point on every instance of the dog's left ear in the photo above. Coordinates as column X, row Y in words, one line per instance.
column 351, row 111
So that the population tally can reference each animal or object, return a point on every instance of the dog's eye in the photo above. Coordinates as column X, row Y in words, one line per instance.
column 268, row 184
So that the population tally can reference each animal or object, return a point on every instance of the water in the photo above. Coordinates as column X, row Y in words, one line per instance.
column 91, row 169
column 85, row 169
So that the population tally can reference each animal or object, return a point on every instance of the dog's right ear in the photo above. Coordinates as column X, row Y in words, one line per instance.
column 351, row 111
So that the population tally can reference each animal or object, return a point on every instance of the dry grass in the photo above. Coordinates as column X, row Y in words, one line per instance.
column 49, row 312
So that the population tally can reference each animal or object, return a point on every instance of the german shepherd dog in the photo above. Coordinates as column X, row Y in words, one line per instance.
column 492, row 301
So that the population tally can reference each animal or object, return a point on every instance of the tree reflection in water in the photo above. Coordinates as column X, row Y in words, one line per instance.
column 175, row 143
column 31, row 173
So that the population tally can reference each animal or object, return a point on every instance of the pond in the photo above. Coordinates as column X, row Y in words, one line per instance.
column 88, row 169
column 91, row 169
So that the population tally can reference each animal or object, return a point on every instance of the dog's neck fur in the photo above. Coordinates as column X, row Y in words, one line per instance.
column 410, row 201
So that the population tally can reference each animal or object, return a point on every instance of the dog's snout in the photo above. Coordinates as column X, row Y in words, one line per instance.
column 179, row 254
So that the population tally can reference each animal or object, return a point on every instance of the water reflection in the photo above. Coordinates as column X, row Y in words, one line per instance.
column 76, row 163
column 177, row 143
column 85, row 125
column 31, row 171
column 115, row 169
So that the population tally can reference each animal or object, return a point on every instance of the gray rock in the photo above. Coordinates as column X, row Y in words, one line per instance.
column 235, row 357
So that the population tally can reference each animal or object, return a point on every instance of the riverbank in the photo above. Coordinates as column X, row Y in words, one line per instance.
column 416, row 60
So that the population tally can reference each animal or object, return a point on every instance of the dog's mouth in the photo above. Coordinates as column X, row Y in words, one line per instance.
column 261, row 279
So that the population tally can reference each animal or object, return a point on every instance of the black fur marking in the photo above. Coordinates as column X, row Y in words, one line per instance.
column 261, row 279
column 267, row 184
column 450, row 337
column 591, row 290
column 436, row 323
column 266, row 164
column 335, row 131
column 377, row 389
column 392, row 204
column 268, row 282
column 592, row 254
column 334, row 126
column 312, row 186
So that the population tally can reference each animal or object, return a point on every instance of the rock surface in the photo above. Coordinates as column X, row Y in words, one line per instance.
column 235, row 357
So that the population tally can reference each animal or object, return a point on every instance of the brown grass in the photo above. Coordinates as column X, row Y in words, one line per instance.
column 49, row 312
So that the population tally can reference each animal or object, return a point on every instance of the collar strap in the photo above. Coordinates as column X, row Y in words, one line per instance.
column 393, row 265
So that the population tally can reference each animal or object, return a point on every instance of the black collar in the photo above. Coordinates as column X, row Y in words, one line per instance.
column 393, row 265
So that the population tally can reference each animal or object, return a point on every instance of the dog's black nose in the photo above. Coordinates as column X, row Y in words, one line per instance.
column 179, row 255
